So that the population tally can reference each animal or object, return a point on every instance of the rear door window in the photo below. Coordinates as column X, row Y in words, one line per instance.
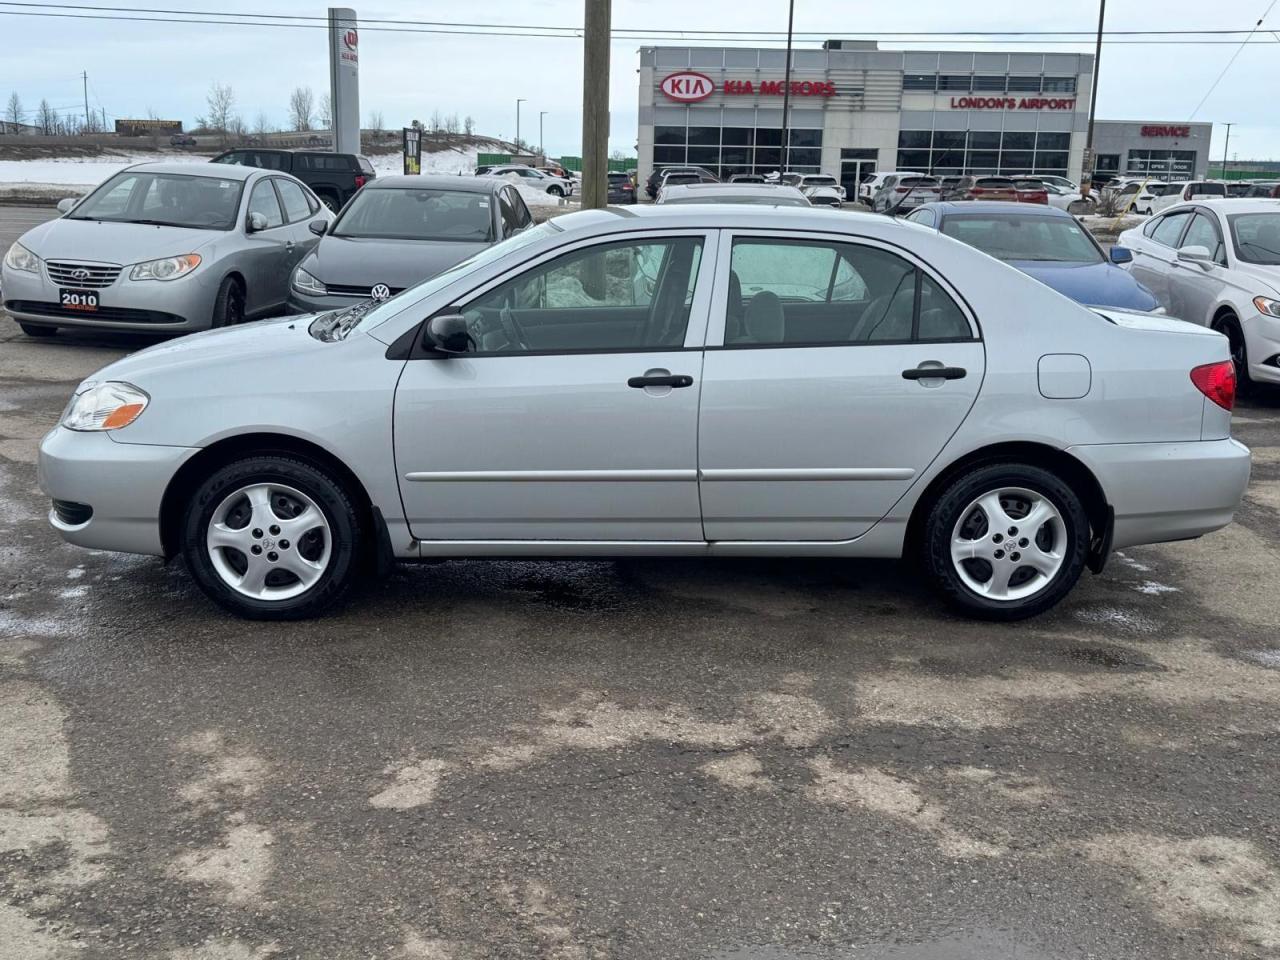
column 1203, row 232
column 295, row 201
column 1170, row 227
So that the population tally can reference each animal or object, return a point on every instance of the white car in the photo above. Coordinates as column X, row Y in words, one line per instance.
column 1217, row 263
column 1178, row 192
column 1069, row 185
column 1067, row 198
column 556, row 186
column 823, row 190
column 764, row 194
column 871, row 184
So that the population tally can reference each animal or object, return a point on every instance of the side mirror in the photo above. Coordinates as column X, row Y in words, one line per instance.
column 1195, row 254
column 67, row 205
column 1121, row 255
column 318, row 227
column 448, row 333
column 256, row 222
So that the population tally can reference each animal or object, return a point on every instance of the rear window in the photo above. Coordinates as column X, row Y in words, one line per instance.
column 365, row 166
column 1029, row 184
column 998, row 182
column 1210, row 189
column 918, row 182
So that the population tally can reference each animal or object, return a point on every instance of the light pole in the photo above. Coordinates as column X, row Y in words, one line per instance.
column 1086, row 176
column 519, row 100
column 786, row 88
column 1224, row 150
column 541, row 152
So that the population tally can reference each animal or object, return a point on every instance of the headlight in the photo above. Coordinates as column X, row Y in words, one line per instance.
column 105, row 406
column 170, row 268
column 20, row 258
column 1268, row 306
column 306, row 283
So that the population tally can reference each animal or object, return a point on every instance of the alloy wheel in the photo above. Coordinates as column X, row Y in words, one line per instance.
column 1008, row 544
column 268, row 541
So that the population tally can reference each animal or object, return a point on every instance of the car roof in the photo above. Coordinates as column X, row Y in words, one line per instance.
column 438, row 181
column 714, row 216
column 1226, row 205
column 720, row 190
column 224, row 171
column 947, row 207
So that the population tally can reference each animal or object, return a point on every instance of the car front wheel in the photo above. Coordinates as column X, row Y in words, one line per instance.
column 555, row 191
column 272, row 538
column 1230, row 327
column 1007, row 541
column 228, row 307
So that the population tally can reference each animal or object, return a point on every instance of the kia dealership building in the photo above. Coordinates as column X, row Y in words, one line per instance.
column 855, row 108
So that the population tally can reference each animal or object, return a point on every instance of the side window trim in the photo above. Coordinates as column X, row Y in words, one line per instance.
column 699, row 311
column 719, row 304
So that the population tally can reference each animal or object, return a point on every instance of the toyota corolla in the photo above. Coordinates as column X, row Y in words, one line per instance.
column 675, row 381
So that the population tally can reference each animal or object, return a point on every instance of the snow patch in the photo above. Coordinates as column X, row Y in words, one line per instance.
column 1152, row 588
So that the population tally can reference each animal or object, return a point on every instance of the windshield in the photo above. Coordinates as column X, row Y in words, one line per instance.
column 1021, row 237
column 164, row 199
column 1256, row 237
column 413, row 213
column 337, row 324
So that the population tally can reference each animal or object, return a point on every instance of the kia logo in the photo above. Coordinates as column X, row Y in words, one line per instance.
column 351, row 39
column 80, row 273
column 380, row 292
column 687, row 86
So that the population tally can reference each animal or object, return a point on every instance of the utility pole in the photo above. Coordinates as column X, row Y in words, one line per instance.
column 1224, row 150
column 519, row 100
column 595, row 104
column 1086, row 176
column 541, row 152
column 85, row 77
column 786, row 90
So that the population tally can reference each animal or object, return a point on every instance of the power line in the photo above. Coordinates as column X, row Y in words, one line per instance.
column 1243, row 43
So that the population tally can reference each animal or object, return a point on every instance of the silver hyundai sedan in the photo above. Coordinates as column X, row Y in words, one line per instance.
column 680, row 381
column 164, row 248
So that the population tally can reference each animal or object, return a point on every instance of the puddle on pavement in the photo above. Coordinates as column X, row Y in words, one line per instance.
column 982, row 945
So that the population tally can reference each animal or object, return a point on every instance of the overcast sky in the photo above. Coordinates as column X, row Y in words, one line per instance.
column 167, row 67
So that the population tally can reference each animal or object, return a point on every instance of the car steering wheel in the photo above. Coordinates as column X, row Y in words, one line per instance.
column 512, row 329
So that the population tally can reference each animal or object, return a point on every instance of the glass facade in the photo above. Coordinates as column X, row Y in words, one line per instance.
column 729, row 150
column 1167, row 164
column 956, row 152
column 986, row 83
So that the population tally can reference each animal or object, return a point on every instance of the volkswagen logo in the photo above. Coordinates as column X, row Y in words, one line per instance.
column 80, row 273
column 380, row 292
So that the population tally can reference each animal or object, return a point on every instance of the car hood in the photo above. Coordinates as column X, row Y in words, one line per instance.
column 1267, row 274
column 122, row 243
column 397, row 263
column 1094, row 284
column 209, row 349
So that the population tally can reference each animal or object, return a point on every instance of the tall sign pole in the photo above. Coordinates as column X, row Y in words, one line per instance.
column 1086, row 173
column 595, row 104
column 786, row 89
column 344, row 79
column 1225, row 146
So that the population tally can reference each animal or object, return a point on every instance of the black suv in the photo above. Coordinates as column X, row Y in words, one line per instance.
column 333, row 177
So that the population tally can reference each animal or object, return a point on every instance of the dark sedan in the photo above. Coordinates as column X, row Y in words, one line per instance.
column 399, row 231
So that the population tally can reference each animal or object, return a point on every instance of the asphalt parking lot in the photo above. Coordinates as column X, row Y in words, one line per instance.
column 750, row 760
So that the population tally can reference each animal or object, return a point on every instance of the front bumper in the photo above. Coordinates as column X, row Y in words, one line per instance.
column 123, row 483
column 1262, row 343
column 144, row 306
column 1168, row 491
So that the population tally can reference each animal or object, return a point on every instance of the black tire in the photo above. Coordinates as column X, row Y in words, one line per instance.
column 330, row 201
column 228, row 308
column 962, row 492
column 37, row 329
column 555, row 191
column 344, row 525
column 1229, row 326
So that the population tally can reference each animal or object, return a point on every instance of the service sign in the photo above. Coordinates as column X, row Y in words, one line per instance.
column 1157, row 130
column 687, row 86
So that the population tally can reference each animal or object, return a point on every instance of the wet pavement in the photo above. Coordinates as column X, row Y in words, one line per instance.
column 750, row 760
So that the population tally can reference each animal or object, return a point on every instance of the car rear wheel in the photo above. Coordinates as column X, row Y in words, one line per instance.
column 228, row 308
column 555, row 191
column 1007, row 541
column 272, row 538
column 37, row 330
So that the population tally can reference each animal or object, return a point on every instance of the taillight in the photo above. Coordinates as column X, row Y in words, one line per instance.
column 901, row 189
column 977, row 190
column 359, row 181
column 1217, row 381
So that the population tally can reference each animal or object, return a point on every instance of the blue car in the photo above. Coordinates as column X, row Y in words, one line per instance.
column 1045, row 242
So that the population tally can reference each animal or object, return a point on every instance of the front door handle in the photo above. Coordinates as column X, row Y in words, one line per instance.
column 665, row 380
column 934, row 373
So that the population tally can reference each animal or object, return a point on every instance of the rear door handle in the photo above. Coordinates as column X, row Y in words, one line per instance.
column 934, row 373
column 666, row 380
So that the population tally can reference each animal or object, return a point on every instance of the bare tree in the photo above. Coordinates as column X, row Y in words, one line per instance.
column 301, row 107
column 236, row 127
column 221, row 99
column 468, row 125
column 262, row 124
column 326, row 112
column 376, row 122
column 46, row 118
column 13, row 112
column 436, row 123
column 451, row 124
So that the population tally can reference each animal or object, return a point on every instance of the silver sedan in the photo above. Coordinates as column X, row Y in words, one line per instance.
column 164, row 248
column 677, row 381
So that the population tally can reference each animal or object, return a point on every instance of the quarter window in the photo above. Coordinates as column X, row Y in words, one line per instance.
column 614, row 297
column 263, row 200
column 799, row 293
